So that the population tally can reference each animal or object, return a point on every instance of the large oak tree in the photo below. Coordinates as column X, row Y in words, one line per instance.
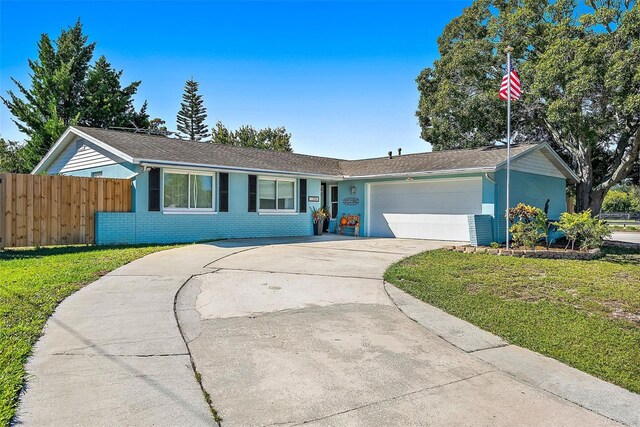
column 580, row 69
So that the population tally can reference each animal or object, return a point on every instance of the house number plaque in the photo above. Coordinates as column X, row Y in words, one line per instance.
column 350, row 201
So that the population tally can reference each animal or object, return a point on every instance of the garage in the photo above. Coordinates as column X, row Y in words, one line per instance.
column 435, row 209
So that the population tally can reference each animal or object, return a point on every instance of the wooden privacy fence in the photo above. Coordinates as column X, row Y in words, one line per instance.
column 40, row 210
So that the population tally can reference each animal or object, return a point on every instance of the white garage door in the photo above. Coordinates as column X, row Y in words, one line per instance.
column 430, row 209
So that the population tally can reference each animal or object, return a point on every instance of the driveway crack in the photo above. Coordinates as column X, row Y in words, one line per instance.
column 340, row 276
column 367, row 405
column 120, row 355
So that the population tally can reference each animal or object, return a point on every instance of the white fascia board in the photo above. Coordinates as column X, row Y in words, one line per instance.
column 559, row 163
column 218, row 168
column 572, row 175
column 533, row 147
column 107, row 147
column 68, row 136
column 423, row 173
column 57, row 147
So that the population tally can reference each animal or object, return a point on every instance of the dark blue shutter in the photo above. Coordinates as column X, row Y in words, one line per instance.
column 154, row 189
column 253, row 192
column 303, row 196
column 223, row 192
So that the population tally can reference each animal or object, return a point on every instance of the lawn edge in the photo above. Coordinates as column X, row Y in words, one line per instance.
column 82, row 284
column 557, row 378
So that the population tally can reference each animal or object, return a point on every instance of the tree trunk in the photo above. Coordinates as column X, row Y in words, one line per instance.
column 588, row 198
column 595, row 204
column 583, row 196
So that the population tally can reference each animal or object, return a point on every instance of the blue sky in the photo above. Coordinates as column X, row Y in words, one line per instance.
column 340, row 76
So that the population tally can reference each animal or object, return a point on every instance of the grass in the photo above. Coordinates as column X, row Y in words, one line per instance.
column 583, row 313
column 32, row 283
column 614, row 227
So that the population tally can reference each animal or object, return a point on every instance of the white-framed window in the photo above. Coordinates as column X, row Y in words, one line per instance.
column 188, row 191
column 333, row 200
column 276, row 194
column 96, row 174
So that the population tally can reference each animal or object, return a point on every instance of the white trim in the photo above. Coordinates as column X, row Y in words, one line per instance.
column 62, row 142
column 422, row 181
column 337, row 201
column 423, row 173
column 367, row 208
column 276, row 210
column 189, row 210
column 269, row 212
column 562, row 166
column 219, row 168
column 52, row 150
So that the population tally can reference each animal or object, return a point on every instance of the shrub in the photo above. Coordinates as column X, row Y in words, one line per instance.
column 530, row 225
column 525, row 234
column 494, row 245
column 594, row 233
column 583, row 229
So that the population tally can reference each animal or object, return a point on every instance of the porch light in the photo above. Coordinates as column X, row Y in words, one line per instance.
column 353, row 190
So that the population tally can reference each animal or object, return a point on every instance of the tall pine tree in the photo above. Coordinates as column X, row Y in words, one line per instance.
column 53, row 101
column 192, row 114
column 107, row 103
column 65, row 90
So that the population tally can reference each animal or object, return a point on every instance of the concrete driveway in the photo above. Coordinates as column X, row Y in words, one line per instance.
column 284, row 332
column 304, row 332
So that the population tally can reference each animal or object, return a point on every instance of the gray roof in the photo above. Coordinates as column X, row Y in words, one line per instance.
column 164, row 150
column 450, row 160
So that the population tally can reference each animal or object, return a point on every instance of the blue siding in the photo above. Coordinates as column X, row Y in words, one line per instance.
column 119, row 170
column 488, row 194
column 530, row 189
column 143, row 226
column 344, row 194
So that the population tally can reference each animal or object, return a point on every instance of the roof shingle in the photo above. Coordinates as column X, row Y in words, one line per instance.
column 162, row 149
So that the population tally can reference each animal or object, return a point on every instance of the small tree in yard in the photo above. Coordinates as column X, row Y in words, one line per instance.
column 583, row 229
column 192, row 113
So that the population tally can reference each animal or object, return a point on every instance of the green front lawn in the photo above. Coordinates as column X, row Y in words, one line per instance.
column 583, row 313
column 32, row 284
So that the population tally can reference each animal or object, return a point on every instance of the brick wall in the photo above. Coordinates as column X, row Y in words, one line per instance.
column 480, row 229
column 156, row 227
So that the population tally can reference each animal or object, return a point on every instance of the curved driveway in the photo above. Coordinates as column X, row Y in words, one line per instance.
column 304, row 332
column 282, row 332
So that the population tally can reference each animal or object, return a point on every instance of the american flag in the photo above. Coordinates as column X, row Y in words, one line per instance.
column 515, row 86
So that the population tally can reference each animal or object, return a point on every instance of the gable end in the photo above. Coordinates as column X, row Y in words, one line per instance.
column 81, row 154
column 537, row 163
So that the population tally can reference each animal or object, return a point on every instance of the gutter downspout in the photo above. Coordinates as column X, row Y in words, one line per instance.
column 486, row 175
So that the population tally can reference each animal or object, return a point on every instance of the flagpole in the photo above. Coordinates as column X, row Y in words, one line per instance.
column 508, row 50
